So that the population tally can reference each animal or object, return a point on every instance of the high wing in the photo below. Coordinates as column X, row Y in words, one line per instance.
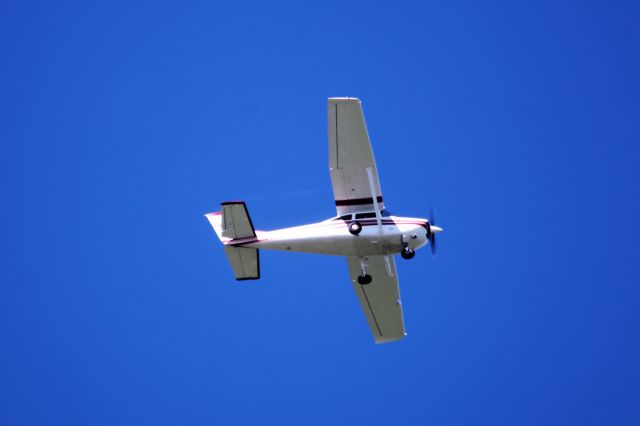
column 350, row 155
column 380, row 299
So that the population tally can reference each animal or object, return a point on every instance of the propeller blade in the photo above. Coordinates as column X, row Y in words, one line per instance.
column 432, row 232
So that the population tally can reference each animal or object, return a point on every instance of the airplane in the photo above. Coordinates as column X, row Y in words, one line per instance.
column 363, row 230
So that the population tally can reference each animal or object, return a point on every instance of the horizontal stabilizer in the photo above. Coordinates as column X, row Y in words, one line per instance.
column 236, row 222
column 244, row 261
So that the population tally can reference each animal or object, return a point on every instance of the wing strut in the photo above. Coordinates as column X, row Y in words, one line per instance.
column 387, row 261
column 374, row 196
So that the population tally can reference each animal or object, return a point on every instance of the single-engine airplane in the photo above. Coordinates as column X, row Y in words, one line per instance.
column 363, row 230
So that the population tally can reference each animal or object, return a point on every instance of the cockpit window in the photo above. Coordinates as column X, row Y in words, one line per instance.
column 368, row 215
column 365, row 215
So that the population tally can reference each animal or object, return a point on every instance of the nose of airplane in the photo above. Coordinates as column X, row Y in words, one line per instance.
column 435, row 229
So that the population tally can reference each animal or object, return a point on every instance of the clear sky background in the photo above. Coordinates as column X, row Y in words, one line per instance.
column 122, row 124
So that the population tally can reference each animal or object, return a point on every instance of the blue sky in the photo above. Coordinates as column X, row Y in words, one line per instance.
column 121, row 124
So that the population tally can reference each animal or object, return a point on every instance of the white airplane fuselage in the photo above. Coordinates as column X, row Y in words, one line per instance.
column 332, row 237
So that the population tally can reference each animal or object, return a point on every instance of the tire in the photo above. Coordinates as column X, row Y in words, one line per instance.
column 407, row 253
column 355, row 228
column 364, row 279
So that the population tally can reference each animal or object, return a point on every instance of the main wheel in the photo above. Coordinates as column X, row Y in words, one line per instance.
column 364, row 279
column 407, row 253
column 355, row 228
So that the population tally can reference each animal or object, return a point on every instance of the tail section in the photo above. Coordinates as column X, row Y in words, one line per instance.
column 233, row 223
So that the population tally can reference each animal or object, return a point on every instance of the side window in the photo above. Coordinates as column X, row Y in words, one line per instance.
column 365, row 215
column 345, row 217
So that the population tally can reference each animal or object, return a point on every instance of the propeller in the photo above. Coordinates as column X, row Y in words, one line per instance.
column 432, row 230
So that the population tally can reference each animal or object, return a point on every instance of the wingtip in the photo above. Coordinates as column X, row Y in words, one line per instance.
column 388, row 339
column 336, row 100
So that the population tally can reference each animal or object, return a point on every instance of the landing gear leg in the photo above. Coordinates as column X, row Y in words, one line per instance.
column 365, row 278
column 407, row 253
